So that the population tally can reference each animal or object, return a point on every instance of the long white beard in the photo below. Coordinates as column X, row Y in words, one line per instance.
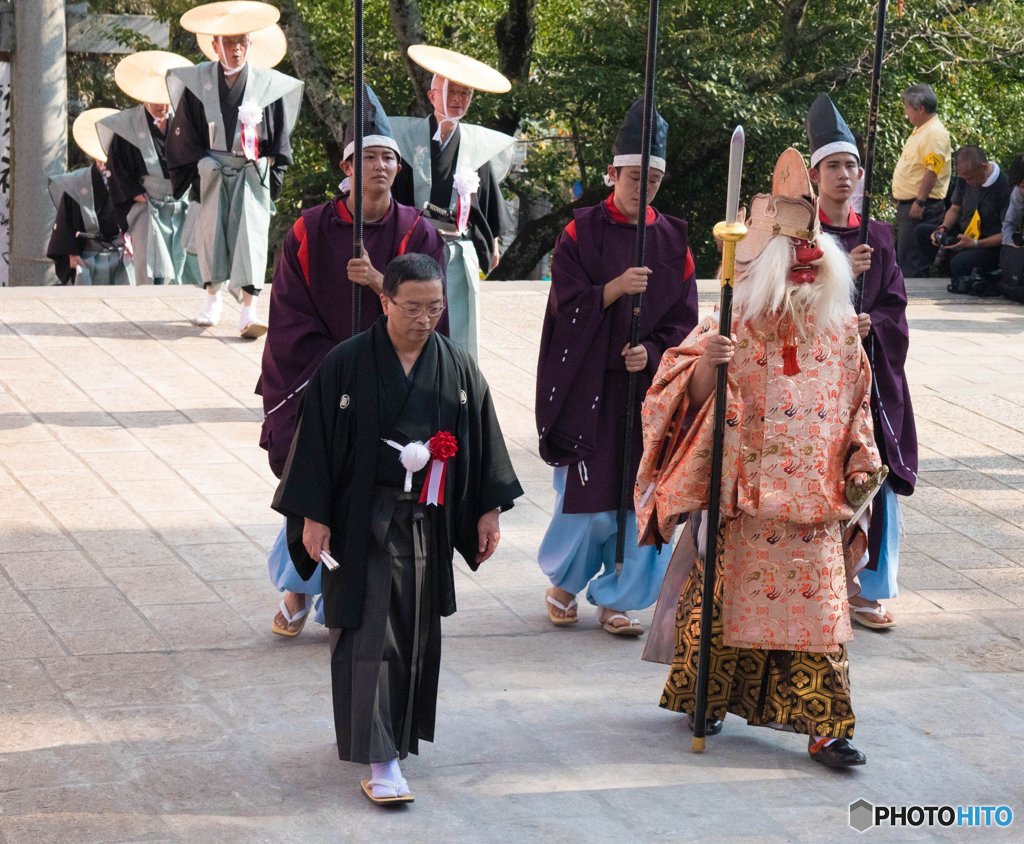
column 765, row 292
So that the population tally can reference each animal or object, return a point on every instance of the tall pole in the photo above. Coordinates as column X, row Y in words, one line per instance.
column 626, row 489
column 39, row 128
column 358, row 99
column 730, row 232
column 869, row 151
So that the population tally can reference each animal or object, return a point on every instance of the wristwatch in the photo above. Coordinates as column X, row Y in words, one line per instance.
column 920, row 202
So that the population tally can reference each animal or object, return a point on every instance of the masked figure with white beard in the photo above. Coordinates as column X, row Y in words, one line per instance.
column 798, row 435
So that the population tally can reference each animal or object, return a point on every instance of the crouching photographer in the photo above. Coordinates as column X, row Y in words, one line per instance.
column 970, row 235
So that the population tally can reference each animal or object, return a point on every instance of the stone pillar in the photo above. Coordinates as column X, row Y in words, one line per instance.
column 39, row 130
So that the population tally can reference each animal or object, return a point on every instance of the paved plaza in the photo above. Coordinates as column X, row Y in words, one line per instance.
column 144, row 698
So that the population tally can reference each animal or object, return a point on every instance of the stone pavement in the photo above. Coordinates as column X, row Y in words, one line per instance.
column 143, row 697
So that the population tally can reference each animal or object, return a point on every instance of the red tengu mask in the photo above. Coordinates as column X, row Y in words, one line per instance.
column 803, row 270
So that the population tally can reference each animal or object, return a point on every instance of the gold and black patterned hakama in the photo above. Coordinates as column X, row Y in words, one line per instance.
column 801, row 691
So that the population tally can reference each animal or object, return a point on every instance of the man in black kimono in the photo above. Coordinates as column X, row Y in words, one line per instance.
column 229, row 144
column 361, row 488
column 453, row 170
column 311, row 312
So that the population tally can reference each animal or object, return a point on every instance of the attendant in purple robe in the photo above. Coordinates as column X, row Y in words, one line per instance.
column 835, row 168
column 311, row 312
column 582, row 374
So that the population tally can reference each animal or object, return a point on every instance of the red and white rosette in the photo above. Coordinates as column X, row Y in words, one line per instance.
column 250, row 116
column 442, row 446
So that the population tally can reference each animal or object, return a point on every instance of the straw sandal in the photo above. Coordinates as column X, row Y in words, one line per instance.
column 299, row 618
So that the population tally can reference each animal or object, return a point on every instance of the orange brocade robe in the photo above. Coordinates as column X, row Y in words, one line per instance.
column 791, row 444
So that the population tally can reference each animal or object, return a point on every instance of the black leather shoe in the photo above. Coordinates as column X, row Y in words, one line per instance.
column 838, row 754
column 712, row 726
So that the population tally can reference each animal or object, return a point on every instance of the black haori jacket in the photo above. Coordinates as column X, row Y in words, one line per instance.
column 332, row 469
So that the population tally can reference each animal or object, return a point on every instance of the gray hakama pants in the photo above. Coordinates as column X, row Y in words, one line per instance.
column 104, row 263
column 233, row 224
column 384, row 673
column 156, row 226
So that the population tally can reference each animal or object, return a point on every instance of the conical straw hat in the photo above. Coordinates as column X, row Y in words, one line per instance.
column 459, row 69
column 83, row 130
column 142, row 75
column 231, row 17
column 266, row 49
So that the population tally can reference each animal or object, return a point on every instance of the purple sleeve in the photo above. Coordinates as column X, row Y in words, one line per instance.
column 887, row 345
column 888, row 307
column 679, row 321
column 572, row 327
column 297, row 341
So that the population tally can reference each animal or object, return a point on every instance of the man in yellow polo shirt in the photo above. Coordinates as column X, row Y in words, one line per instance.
column 921, row 178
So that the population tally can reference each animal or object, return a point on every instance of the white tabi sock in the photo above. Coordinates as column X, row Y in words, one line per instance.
column 246, row 316
column 210, row 314
column 392, row 773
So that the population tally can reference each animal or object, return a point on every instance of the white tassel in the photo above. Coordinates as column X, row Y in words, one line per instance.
column 413, row 457
column 581, row 467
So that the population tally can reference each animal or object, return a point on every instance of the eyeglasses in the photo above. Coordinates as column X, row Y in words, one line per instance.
column 416, row 311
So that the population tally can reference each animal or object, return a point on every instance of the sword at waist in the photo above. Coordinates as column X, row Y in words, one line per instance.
column 444, row 221
column 95, row 244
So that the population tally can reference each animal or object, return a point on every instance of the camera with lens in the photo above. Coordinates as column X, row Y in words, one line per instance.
column 949, row 238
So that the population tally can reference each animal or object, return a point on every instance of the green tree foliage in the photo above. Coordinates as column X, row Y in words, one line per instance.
column 755, row 62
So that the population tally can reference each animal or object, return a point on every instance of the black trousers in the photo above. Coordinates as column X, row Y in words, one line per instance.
column 961, row 262
column 912, row 259
column 384, row 673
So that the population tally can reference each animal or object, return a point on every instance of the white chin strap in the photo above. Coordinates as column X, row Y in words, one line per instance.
column 228, row 71
column 454, row 121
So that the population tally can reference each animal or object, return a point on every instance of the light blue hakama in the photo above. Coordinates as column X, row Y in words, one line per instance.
column 880, row 584
column 286, row 579
column 462, row 286
column 579, row 549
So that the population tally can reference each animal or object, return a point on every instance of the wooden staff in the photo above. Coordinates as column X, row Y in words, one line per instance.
column 869, row 151
column 359, row 95
column 730, row 232
column 647, row 137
